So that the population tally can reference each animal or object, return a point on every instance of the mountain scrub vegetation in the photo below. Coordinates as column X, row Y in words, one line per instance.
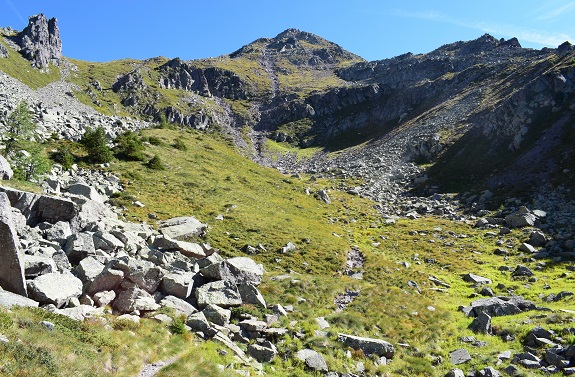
column 288, row 209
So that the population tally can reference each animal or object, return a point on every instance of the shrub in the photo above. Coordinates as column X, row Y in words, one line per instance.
column 19, row 128
column 30, row 163
column 96, row 145
column 178, row 326
column 179, row 144
column 129, row 147
column 155, row 163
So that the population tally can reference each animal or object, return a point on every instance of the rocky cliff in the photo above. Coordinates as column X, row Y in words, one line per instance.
column 40, row 41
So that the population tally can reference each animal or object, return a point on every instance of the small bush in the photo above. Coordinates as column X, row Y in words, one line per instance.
column 179, row 144
column 178, row 326
column 155, row 163
column 129, row 147
column 155, row 140
column 125, row 324
column 96, row 145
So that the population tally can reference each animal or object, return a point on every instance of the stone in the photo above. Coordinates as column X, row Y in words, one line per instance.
column 239, row 270
column 221, row 293
column 12, row 267
column 263, row 352
column 9, row 299
column 107, row 280
column 79, row 246
column 253, row 325
column 5, row 169
column 217, row 315
column 527, row 248
column 520, row 219
column 58, row 232
column 178, row 284
column 40, row 208
column 251, row 295
column 198, row 322
column 180, row 306
column 476, row 279
column 36, row 265
column 322, row 323
column 537, row 239
column 145, row 274
column 455, row 373
column 367, row 345
column 460, row 356
column 104, row 298
column 55, row 288
column 481, row 323
column 313, row 360
column 498, row 306
column 107, row 241
column 182, row 227
column 490, row 372
column 86, row 191
column 135, row 298
column 522, row 271
column 88, row 269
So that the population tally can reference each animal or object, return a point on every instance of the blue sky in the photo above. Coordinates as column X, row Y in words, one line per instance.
column 374, row 29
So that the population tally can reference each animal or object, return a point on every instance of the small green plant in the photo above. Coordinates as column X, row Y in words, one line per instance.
column 179, row 144
column 125, row 324
column 178, row 326
column 67, row 159
column 96, row 145
column 155, row 163
column 31, row 163
column 19, row 129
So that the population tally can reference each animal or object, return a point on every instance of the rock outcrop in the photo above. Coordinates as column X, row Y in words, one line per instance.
column 40, row 41
column 12, row 266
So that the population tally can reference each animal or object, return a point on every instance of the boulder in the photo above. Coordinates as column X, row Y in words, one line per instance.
column 55, row 288
column 251, row 295
column 263, row 352
column 104, row 298
column 5, row 169
column 537, row 239
column 455, row 373
column 58, row 232
column 79, row 246
column 88, row 269
column 39, row 208
column 476, row 279
column 253, row 325
column 107, row 242
column 145, row 274
column 9, row 299
column 182, row 227
column 198, row 322
column 481, row 324
column 90, row 211
column 238, row 270
column 135, row 298
column 107, row 280
column 312, row 359
column 520, row 219
column 87, row 191
column 180, row 306
column 12, row 266
column 36, row 265
column 499, row 306
column 178, row 284
column 367, row 345
column 460, row 356
column 221, row 293
column 217, row 315
column 522, row 271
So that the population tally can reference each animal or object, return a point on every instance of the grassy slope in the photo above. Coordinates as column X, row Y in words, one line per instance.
column 273, row 209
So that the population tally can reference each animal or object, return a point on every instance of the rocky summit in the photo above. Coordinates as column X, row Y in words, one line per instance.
column 418, row 219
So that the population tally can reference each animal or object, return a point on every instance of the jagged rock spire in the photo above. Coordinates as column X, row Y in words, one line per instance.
column 40, row 41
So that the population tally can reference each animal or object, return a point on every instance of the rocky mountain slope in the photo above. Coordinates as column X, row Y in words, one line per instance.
column 464, row 153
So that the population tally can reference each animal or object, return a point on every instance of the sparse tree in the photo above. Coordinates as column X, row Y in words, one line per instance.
column 155, row 163
column 19, row 128
column 96, row 145
column 30, row 163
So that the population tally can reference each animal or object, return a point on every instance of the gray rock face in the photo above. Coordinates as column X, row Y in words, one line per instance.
column 106, row 280
column 3, row 52
column 79, row 246
column 520, row 219
column 313, row 360
column 59, row 232
column 179, row 285
column 198, row 322
column 40, row 41
column 221, row 293
column 12, row 266
column 368, row 345
column 5, row 169
column 181, row 227
column 9, row 299
column 55, row 288
column 36, row 265
column 238, row 270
